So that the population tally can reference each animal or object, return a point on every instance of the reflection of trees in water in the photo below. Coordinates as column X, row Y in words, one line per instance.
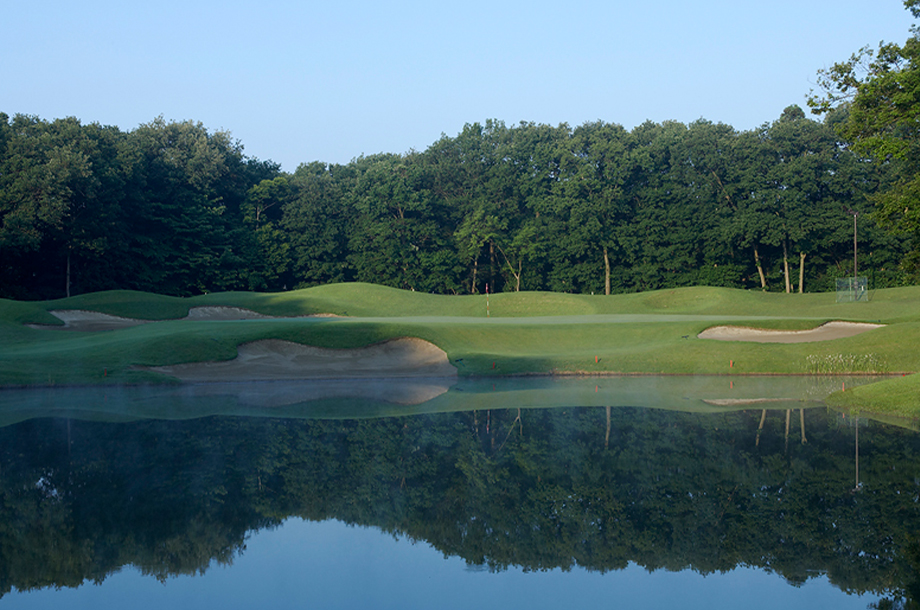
column 763, row 419
column 571, row 487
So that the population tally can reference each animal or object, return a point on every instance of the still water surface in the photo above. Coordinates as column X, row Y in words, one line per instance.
column 619, row 506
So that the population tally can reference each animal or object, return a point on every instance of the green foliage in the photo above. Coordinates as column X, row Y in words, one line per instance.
column 874, row 101
column 177, row 209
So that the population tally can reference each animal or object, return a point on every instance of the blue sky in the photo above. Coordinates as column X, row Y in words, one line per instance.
column 331, row 565
column 305, row 81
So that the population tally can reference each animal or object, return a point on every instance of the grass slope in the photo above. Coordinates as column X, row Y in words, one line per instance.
column 523, row 333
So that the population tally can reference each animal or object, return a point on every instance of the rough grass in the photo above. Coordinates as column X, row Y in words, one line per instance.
column 652, row 332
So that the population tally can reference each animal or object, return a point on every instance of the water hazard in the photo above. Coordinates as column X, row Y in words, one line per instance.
column 525, row 493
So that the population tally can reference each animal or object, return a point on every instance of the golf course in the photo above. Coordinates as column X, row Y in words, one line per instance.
column 342, row 331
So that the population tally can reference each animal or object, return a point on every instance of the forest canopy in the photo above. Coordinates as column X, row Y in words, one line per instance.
column 874, row 101
column 175, row 208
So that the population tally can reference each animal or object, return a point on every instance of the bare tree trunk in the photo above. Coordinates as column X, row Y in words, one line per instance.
column 763, row 280
column 801, row 272
column 786, row 267
column 606, row 272
column 607, row 436
column 517, row 276
column 473, row 289
column 68, row 274
column 763, row 418
column 802, row 422
column 492, row 264
column 788, row 418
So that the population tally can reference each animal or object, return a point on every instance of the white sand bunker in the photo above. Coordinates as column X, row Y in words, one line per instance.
column 79, row 319
column 825, row 332
column 84, row 320
column 223, row 313
column 275, row 359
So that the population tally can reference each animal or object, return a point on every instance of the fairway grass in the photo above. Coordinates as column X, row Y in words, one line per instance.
column 503, row 334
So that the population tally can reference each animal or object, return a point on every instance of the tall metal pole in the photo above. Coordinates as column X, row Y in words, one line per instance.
column 855, row 214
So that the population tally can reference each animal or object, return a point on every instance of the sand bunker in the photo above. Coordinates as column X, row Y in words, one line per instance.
column 78, row 319
column 223, row 313
column 83, row 320
column 825, row 332
column 275, row 359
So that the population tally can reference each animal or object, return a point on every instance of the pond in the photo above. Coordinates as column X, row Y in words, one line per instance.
column 530, row 493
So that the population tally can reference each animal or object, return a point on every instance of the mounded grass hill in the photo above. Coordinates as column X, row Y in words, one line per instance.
column 509, row 333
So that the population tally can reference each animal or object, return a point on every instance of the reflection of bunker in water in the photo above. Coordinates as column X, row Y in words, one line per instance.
column 382, row 397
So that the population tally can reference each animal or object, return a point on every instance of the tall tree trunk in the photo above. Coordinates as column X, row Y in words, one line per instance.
column 473, row 289
column 607, row 436
column 763, row 280
column 606, row 272
column 517, row 276
column 492, row 264
column 788, row 418
column 801, row 272
column 786, row 267
column 68, row 274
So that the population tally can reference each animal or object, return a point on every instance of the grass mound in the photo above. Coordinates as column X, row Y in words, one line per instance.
column 508, row 333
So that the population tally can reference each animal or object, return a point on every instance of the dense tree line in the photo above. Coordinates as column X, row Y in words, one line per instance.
column 177, row 209
column 535, row 488
column 878, row 91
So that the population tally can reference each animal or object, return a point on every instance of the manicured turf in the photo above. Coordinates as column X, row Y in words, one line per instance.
column 652, row 332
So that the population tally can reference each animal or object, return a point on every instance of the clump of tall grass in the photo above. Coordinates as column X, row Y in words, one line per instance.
column 834, row 364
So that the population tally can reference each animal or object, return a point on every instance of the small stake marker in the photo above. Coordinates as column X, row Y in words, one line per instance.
column 493, row 365
column 595, row 389
column 595, row 360
column 731, row 385
column 731, row 364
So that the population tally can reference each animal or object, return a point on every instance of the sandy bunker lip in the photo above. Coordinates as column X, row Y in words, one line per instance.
column 273, row 359
column 94, row 321
column 825, row 332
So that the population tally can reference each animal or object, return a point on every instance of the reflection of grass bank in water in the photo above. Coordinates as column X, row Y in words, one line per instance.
column 371, row 398
column 526, row 333
column 899, row 396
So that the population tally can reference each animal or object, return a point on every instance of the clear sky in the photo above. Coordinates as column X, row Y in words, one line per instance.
column 329, row 81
